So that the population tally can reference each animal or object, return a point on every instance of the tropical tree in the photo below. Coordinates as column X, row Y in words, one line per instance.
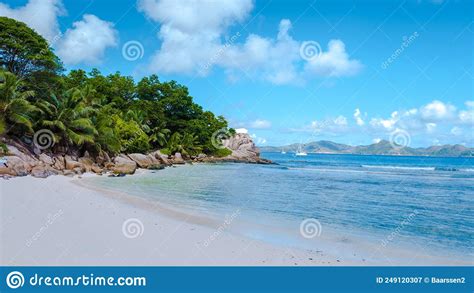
column 186, row 144
column 23, row 51
column 16, row 111
column 159, row 135
column 69, row 117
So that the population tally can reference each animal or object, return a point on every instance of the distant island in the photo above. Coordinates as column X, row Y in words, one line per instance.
column 383, row 147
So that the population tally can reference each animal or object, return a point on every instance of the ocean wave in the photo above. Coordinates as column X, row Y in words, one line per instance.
column 445, row 169
column 399, row 167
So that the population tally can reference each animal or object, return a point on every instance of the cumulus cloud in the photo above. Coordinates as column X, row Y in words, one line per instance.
column 87, row 41
column 433, row 123
column 437, row 110
column 437, row 119
column 334, row 62
column 467, row 116
column 358, row 118
column 195, row 38
column 191, row 31
column 41, row 15
column 386, row 123
column 241, row 130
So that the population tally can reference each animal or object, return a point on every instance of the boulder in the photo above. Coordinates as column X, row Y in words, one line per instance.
column 243, row 149
column 68, row 173
column 143, row 161
column 87, row 162
column 6, row 171
column 178, row 159
column 162, row 158
column 59, row 162
column 43, row 171
column 18, row 166
column 72, row 164
column 102, row 158
column 47, row 160
column 156, row 167
column 124, row 165
column 96, row 169
column 22, row 153
column 109, row 166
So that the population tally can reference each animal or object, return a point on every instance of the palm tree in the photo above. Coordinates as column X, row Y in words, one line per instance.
column 186, row 144
column 159, row 135
column 69, row 117
column 15, row 108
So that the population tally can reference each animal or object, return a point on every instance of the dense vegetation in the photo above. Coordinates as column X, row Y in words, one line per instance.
column 88, row 111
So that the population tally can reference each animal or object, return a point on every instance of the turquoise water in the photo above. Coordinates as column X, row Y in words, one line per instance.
column 422, row 199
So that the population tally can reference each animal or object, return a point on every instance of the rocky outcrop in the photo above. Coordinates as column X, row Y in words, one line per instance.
column 162, row 158
column 43, row 171
column 243, row 149
column 20, row 161
column 123, row 165
column 143, row 161
column 177, row 159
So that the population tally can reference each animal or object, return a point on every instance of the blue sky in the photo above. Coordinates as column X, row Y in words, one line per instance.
column 287, row 71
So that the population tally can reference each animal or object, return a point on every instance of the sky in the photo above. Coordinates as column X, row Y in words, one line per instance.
column 353, row 72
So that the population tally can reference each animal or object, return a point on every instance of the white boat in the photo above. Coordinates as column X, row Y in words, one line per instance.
column 300, row 152
column 283, row 152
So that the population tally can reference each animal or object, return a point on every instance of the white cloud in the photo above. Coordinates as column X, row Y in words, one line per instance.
column 358, row 118
column 437, row 110
column 387, row 124
column 467, row 116
column 340, row 121
column 87, row 41
column 260, row 124
column 271, row 59
column 191, row 31
column 241, row 130
column 41, row 15
column 334, row 62
column 435, row 120
column 195, row 39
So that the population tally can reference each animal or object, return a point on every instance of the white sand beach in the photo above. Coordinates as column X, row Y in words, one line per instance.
column 58, row 221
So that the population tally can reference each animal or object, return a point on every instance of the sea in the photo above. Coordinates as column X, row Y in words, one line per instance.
column 380, row 202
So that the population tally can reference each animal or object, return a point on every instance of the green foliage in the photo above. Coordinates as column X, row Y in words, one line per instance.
column 15, row 109
column 93, row 112
column 132, row 137
column 26, row 54
column 69, row 117
column 222, row 152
